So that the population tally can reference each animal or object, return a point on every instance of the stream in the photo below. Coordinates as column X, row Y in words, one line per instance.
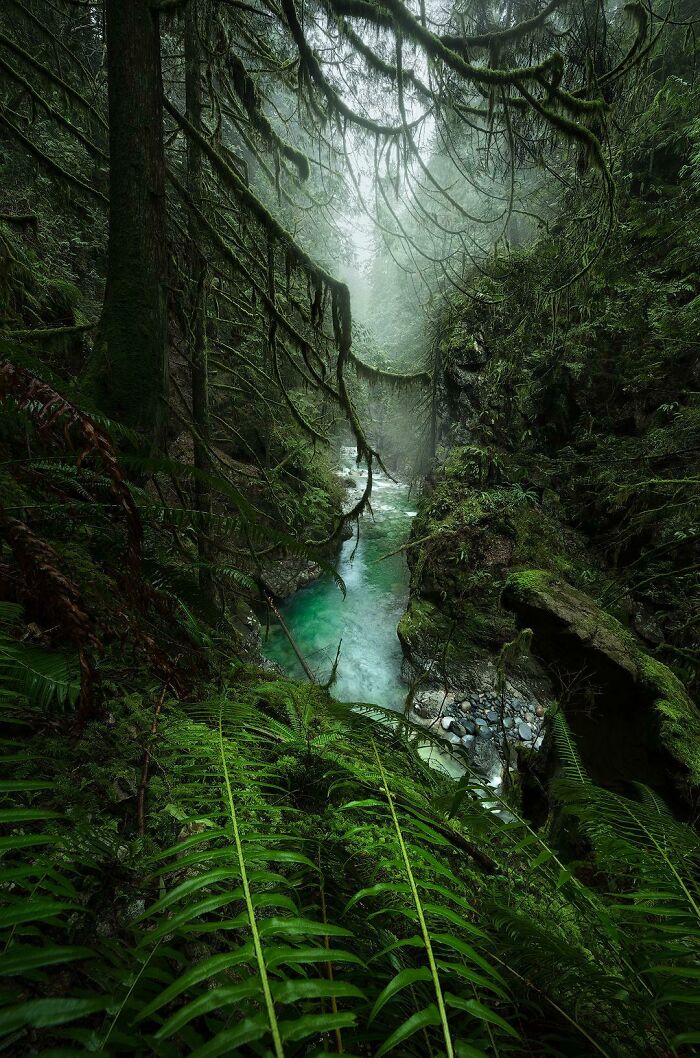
column 370, row 662
column 369, row 666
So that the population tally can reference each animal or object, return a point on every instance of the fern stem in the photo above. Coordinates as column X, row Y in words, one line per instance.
column 125, row 1000
column 548, row 999
column 145, row 766
column 262, row 969
column 329, row 965
column 419, row 910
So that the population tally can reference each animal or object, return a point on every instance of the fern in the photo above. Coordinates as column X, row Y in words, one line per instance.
column 41, row 677
column 305, row 880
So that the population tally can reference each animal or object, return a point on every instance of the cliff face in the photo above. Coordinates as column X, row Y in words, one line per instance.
column 569, row 445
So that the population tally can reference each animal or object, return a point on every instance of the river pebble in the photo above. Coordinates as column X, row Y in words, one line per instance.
column 525, row 732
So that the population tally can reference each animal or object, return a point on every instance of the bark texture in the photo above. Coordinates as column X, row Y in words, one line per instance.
column 133, row 334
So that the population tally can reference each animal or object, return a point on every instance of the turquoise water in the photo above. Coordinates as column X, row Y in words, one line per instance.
column 369, row 669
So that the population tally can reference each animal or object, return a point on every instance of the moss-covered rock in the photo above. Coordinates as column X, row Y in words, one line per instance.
column 572, row 630
column 474, row 527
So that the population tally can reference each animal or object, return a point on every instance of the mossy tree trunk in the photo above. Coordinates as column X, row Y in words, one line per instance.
column 132, row 367
column 197, row 316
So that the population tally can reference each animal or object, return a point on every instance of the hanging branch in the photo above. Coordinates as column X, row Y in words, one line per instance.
column 247, row 92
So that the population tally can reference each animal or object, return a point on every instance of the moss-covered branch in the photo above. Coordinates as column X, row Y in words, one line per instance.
column 49, row 75
column 394, row 378
column 52, row 166
column 247, row 92
column 53, row 113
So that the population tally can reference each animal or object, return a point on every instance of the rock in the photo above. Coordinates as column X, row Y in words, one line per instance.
column 656, row 721
column 542, row 598
column 648, row 628
column 282, row 577
column 539, row 711
column 507, row 722
column 525, row 732
column 492, row 716
column 481, row 724
column 467, row 740
column 458, row 729
column 470, row 727
column 447, row 722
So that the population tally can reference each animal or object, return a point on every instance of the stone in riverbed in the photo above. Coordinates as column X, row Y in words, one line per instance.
column 447, row 722
column 492, row 716
column 468, row 740
column 470, row 727
column 525, row 732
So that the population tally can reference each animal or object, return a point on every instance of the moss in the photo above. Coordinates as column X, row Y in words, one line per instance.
column 472, row 537
column 678, row 715
column 420, row 625
column 528, row 580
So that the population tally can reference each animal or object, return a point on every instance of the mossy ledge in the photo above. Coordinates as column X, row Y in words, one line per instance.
column 558, row 612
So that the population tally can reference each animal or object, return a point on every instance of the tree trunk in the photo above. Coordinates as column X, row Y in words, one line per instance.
column 132, row 370
column 198, row 281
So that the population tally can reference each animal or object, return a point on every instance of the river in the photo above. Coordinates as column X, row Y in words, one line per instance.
column 369, row 667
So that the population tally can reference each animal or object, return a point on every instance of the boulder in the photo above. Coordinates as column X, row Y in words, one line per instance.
column 634, row 716
column 282, row 577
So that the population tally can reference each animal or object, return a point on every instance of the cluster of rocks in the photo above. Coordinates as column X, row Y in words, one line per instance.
column 489, row 722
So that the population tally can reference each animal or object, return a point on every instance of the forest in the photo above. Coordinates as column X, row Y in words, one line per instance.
column 349, row 546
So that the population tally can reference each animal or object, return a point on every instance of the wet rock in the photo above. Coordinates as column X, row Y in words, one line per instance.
column 284, row 576
column 525, row 732
column 539, row 711
column 467, row 740
column 469, row 726
column 492, row 716
column 447, row 722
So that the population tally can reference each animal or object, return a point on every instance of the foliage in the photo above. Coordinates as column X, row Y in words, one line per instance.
column 201, row 857
column 574, row 406
column 305, row 882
